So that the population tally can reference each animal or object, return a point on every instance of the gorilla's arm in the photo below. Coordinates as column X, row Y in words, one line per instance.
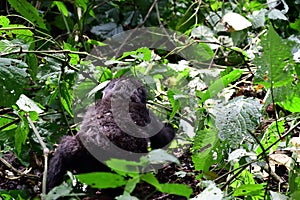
column 164, row 137
column 66, row 153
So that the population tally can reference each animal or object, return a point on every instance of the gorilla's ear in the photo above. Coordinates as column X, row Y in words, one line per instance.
column 163, row 137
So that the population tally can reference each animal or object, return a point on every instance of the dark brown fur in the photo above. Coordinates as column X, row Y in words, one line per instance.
column 99, row 123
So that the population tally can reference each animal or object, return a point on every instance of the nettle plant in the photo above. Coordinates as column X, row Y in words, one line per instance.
column 234, row 135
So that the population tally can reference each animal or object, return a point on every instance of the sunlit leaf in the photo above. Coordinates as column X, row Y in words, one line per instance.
column 236, row 22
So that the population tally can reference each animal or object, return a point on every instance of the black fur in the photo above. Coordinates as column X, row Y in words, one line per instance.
column 99, row 125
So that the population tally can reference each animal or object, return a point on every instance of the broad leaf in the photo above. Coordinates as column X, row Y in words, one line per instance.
column 236, row 118
column 274, row 66
column 12, row 81
column 102, row 180
column 205, row 141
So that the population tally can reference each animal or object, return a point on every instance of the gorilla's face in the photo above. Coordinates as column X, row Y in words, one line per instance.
column 126, row 87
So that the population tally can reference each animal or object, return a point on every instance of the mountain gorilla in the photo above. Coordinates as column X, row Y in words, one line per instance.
column 107, row 130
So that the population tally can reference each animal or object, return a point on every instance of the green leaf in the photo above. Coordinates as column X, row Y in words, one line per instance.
column 60, row 191
column 4, row 21
column 287, row 97
column 274, row 67
column 95, row 42
column 28, row 11
column 74, row 58
column 250, row 190
column 61, row 7
column 102, row 180
column 83, row 4
column 124, row 166
column 66, row 97
column 219, row 85
column 271, row 135
column 174, row 102
column 142, row 53
column 204, row 143
column 32, row 65
column 236, row 118
column 121, row 72
column 21, row 134
column 292, row 103
column 12, row 81
column 151, row 179
column 131, row 184
column 177, row 189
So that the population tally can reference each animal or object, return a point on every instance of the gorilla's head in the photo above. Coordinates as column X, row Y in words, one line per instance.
column 123, row 88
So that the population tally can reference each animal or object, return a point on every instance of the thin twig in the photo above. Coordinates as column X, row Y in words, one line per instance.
column 25, row 173
column 45, row 153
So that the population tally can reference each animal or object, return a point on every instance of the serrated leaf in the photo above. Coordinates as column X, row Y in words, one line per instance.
column 236, row 118
column 273, row 67
column 102, row 180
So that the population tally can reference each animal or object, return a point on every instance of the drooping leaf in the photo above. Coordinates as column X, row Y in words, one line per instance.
column 61, row 7
column 21, row 134
column 219, row 85
column 66, row 97
column 28, row 11
column 175, row 103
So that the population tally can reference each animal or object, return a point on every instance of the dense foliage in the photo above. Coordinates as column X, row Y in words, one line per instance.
column 224, row 74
